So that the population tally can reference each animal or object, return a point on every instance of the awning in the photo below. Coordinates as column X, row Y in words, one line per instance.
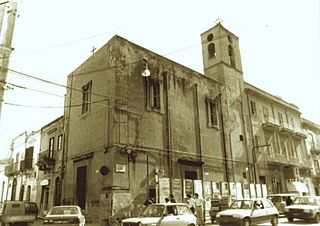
column 296, row 186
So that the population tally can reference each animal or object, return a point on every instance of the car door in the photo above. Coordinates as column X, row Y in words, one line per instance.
column 185, row 215
column 171, row 217
column 258, row 212
column 270, row 210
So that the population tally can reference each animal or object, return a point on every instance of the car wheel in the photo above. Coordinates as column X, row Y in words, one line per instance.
column 290, row 219
column 246, row 222
column 317, row 218
column 274, row 221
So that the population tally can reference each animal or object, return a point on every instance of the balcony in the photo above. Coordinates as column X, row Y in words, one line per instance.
column 315, row 149
column 45, row 162
column 278, row 159
column 286, row 129
column 316, row 173
column 270, row 124
column 299, row 134
column 11, row 169
column 294, row 161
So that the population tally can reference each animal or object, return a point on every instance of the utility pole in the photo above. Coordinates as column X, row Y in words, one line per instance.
column 5, row 45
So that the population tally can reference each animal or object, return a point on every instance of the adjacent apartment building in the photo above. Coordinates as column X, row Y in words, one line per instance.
column 21, row 169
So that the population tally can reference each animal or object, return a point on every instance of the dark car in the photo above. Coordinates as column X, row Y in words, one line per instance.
column 31, row 208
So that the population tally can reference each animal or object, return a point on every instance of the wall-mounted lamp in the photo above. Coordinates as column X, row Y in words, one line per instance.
column 145, row 71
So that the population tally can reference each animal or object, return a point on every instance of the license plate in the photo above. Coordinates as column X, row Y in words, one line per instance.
column 61, row 222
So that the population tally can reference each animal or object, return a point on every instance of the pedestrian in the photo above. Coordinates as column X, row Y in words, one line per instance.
column 171, row 198
column 199, row 208
column 191, row 203
column 167, row 200
column 288, row 201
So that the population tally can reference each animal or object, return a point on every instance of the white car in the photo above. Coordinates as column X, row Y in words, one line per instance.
column 162, row 214
column 304, row 207
column 246, row 212
column 65, row 215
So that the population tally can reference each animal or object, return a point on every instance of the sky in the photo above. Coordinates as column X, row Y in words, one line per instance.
column 279, row 44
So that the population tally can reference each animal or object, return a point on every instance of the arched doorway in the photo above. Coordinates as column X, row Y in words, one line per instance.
column 57, row 192
column 21, row 193
column 14, row 189
column 28, row 193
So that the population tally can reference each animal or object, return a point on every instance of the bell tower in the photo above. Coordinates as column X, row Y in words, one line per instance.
column 222, row 62
column 220, row 50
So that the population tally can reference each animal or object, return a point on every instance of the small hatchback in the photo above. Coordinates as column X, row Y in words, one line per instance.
column 161, row 214
column 246, row 212
column 65, row 215
column 304, row 207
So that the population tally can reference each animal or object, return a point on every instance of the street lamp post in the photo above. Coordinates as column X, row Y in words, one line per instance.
column 254, row 162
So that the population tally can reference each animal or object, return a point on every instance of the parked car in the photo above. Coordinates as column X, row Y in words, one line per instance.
column 178, row 214
column 279, row 200
column 31, row 208
column 66, row 215
column 245, row 212
column 304, row 207
column 14, row 213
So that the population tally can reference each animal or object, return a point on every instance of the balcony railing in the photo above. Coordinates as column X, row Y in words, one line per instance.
column 45, row 162
column 315, row 149
column 11, row 169
column 278, row 158
column 270, row 123
column 286, row 129
column 299, row 133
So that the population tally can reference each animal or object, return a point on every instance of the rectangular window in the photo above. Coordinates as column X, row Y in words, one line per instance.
column 292, row 123
column 155, row 95
column 51, row 147
column 59, row 145
column 280, row 118
column 253, row 107
column 257, row 140
column 86, row 97
column 265, row 112
column 212, row 112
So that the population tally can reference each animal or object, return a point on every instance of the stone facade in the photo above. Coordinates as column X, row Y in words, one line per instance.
column 50, row 166
column 22, row 171
column 313, row 149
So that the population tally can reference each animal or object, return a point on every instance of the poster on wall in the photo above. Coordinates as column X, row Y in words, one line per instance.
column 216, row 189
column 176, row 187
column 198, row 187
column 164, row 188
column 239, row 190
column 246, row 191
column 207, row 189
column 187, row 187
column 264, row 190
column 252, row 191
column 224, row 189
column 258, row 189
column 233, row 190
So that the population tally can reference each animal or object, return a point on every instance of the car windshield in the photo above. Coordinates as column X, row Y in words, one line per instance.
column 305, row 201
column 64, row 210
column 153, row 211
column 241, row 204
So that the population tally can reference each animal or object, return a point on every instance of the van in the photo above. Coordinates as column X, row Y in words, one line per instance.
column 15, row 212
column 279, row 200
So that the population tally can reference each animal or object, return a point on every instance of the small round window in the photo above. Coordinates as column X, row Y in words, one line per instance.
column 210, row 37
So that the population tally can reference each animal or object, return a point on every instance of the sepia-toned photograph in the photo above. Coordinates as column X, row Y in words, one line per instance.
column 159, row 113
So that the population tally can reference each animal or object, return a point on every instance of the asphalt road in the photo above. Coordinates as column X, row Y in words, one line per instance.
column 282, row 222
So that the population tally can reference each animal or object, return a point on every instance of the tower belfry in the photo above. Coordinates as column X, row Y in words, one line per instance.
column 8, row 12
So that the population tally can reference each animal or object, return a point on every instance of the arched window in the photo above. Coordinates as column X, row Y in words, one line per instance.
column 28, row 193
column 21, row 193
column 231, row 56
column 14, row 189
column 212, row 50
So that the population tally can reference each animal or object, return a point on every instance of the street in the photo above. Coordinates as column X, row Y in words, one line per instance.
column 282, row 221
